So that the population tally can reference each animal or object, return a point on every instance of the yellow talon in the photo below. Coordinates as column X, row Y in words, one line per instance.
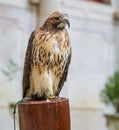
column 52, row 97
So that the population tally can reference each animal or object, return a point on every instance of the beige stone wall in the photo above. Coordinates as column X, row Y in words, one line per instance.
column 94, row 59
column 92, row 36
column 17, row 20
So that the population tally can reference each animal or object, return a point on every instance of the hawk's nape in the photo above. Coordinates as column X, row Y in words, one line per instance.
column 47, row 58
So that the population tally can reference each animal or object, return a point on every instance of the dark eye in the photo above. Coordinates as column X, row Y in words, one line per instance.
column 56, row 18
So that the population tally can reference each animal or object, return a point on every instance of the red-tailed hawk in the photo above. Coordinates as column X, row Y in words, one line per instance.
column 47, row 58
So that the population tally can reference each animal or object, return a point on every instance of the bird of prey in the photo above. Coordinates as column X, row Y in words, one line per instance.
column 47, row 58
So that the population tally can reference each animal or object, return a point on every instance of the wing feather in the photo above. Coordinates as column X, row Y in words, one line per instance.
column 64, row 75
column 27, row 65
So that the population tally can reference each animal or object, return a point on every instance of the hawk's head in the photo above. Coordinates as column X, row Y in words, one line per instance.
column 57, row 21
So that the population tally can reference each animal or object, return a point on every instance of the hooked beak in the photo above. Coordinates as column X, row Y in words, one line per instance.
column 67, row 22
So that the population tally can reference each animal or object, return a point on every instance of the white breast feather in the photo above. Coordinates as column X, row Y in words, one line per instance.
column 42, row 82
column 55, row 46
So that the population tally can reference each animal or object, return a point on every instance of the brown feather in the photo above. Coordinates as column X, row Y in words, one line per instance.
column 27, row 66
column 64, row 75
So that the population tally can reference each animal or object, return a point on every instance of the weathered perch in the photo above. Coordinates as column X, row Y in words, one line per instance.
column 43, row 115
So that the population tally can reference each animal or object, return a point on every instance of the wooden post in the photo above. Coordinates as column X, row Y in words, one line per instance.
column 44, row 115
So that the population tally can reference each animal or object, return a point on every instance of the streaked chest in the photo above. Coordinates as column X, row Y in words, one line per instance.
column 51, row 48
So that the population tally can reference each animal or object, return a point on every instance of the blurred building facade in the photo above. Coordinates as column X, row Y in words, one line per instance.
column 94, row 40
